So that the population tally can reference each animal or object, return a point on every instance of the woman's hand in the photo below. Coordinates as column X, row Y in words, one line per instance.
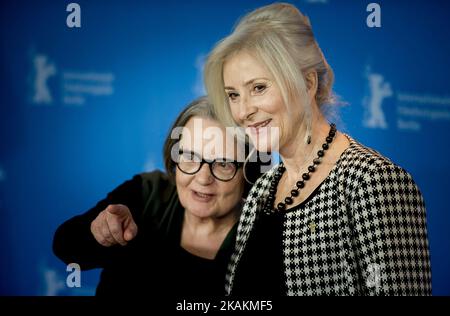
column 114, row 225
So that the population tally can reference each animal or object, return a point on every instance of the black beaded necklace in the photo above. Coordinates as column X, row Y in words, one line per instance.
column 289, row 200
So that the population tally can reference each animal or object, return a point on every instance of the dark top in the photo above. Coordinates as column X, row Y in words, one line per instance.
column 264, row 256
column 153, row 262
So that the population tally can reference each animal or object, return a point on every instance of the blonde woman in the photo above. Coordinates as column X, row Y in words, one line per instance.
column 334, row 217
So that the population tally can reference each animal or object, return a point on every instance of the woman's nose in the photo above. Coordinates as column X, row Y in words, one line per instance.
column 204, row 176
column 246, row 109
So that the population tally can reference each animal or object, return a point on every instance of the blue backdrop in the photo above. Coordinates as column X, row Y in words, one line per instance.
column 84, row 109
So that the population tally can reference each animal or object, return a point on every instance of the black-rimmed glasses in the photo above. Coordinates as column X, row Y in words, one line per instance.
column 222, row 169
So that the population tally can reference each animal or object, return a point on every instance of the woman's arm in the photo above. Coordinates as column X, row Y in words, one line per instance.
column 390, row 233
column 74, row 241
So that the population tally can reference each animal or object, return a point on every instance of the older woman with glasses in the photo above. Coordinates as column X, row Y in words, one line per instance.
column 168, row 233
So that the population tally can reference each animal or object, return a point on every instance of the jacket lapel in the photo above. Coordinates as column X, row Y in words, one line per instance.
column 253, row 204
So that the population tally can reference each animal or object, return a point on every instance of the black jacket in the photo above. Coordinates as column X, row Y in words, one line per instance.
column 153, row 262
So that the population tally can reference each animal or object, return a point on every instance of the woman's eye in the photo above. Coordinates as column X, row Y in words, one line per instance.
column 232, row 96
column 225, row 165
column 260, row 88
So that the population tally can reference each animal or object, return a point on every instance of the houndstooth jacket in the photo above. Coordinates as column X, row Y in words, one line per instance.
column 370, row 235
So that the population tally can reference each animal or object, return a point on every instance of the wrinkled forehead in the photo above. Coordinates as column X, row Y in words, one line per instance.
column 209, row 138
column 243, row 67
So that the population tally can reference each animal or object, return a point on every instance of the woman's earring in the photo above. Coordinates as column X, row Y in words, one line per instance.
column 308, row 140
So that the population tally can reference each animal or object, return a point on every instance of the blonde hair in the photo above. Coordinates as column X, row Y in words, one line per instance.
column 281, row 38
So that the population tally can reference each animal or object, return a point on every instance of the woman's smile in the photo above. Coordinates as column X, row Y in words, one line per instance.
column 202, row 197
